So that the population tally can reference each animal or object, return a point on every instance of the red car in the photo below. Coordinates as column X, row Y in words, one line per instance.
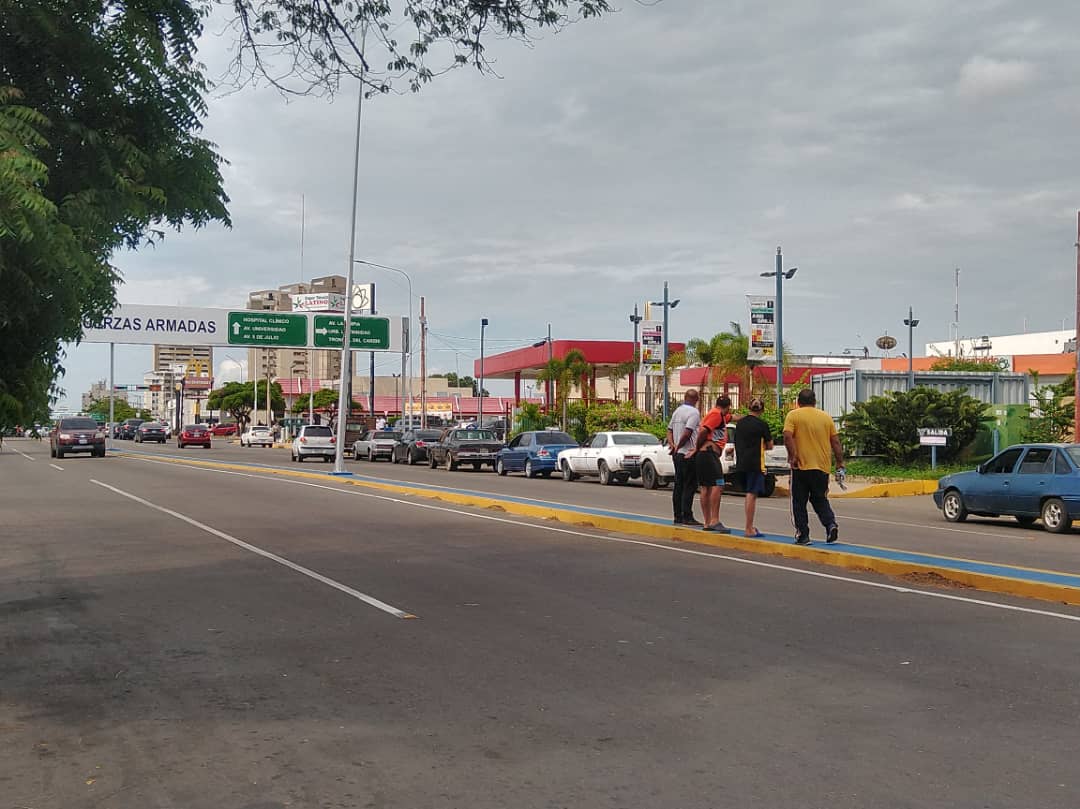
column 223, row 429
column 77, row 435
column 193, row 434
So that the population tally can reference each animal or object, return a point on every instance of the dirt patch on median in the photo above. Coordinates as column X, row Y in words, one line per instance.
column 931, row 579
column 496, row 508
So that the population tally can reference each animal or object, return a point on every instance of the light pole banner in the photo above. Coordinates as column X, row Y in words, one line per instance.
column 762, row 327
column 652, row 347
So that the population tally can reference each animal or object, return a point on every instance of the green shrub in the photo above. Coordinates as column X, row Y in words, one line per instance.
column 622, row 416
column 888, row 425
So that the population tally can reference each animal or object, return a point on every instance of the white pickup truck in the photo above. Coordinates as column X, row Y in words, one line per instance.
column 658, row 469
column 612, row 456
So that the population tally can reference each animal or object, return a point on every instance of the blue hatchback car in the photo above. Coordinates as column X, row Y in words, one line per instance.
column 1025, row 481
column 533, row 453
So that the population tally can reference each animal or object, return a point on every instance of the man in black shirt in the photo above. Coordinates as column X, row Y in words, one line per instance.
column 752, row 438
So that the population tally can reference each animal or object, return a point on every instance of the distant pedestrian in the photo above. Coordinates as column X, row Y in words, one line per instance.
column 812, row 443
column 680, row 436
column 752, row 439
column 709, row 446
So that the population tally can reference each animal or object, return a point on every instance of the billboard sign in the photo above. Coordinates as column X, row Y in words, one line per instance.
column 319, row 302
column 652, row 347
column 762, row 327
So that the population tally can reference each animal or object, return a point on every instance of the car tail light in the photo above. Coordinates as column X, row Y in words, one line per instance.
column 333, row 440
column 421, row 444
column 303, row 440
column 543, row 453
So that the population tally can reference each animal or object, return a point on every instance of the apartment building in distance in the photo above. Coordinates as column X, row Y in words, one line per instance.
column 290, row 363
column 162, row 402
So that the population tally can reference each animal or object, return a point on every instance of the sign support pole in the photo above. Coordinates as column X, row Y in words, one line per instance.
column 933, row 456
column 112, row 394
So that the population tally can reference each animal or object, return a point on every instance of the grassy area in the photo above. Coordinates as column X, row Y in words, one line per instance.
column 877, row 469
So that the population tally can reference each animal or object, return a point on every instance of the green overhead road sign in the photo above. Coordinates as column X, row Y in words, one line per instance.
column 270, row 329
column 367, row 333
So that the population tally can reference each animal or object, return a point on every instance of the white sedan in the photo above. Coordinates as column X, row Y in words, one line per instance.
column 611, row 456
column 257, row 435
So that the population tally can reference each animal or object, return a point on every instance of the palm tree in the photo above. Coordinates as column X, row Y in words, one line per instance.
column 565, row 372
column 722, row 355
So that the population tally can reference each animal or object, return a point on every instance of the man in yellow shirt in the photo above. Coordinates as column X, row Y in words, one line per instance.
column 811, row 441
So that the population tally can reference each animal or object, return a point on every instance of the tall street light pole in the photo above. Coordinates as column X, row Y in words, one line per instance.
column 407, row 348
column 1076, row 337
column 779, row 347
column 345, row 386
column 636, row 320
column 911, row 323
column 667, row 304
column 480, row 390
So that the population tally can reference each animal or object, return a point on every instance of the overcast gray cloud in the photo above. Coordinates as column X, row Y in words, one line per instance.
column 881, row 145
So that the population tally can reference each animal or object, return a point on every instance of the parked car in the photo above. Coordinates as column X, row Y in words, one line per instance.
column 658, row 468
column 413, row 446
column 615, row 457
column 534, row 453
column 128, row 427
column 456, row 447
column 193, row 435
column 259, row 434
column 77, row 434
column 375, row 444
column 150, row 431
column 314, row 441
column 354, row 430
column 223, row 429
column 1026, row 481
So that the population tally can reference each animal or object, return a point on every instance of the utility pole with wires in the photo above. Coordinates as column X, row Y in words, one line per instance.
column 423, row 365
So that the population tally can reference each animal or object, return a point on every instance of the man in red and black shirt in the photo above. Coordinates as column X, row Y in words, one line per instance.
column 709, row 446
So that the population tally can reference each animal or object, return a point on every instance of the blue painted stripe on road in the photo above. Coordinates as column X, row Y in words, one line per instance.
column 942, row 562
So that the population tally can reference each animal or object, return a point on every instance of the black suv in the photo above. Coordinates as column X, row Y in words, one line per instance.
column 128, row 428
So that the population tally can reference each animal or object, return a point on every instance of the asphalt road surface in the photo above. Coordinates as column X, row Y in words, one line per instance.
column 181, row 637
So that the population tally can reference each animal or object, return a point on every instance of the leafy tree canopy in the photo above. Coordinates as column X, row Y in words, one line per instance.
column 100, row 108
column 888, row 425
column 238, row 398
column 989, row 365
column 121, row 410
column 324, row 399
column 1053, row 411
column 303, row 46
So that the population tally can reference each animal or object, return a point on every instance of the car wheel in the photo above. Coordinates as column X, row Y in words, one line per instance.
column 1055, row 516
column 606, row 478
column 450, row 465
column 952, row 506
column 292, row 457
column 431, row 462
column 529, row 471
column 648, row 475
column 770, row 486
column 59, row 453
column 1025, row 520
column 52, row 451
column 299, row 458
column 410, row 459
column 500, row 468
column 566, row 473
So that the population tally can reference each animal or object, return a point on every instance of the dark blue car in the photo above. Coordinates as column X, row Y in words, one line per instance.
column 533, row 453
column 1025, row 481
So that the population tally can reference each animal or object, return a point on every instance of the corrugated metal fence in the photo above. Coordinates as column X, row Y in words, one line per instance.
column 836, row 393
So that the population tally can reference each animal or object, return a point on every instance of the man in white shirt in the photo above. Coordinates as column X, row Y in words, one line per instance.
column 681, row 430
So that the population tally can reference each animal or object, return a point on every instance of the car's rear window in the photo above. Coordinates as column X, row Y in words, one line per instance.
column 427, row 435
column 554, row 438
column 260, row 429
column 1074, row 454
column 78, row 424
column 193, row 427
column 150, row 425
column 634, row 438
column 475, row 435
column 386, row 434
column 318, row 431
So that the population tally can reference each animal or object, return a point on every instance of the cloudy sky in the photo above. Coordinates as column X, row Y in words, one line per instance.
column 882, row 146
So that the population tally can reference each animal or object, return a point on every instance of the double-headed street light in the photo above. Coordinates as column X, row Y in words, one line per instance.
column 407, row 348
column 636, row 320
column 780, row 273
column 547, row 387
column 911, row 322
column 667, row 304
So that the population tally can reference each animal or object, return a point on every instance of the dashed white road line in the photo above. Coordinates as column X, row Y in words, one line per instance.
column 54, row 466
column 369, row 600
column 28, row 457
column 640, row 542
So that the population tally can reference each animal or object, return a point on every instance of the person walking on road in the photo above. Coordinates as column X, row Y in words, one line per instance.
column 752, row 439
column 709, row 446
column 811, row 441
column 681, row 429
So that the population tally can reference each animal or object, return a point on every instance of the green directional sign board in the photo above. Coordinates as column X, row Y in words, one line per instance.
column 269, row 329
column 367, row 333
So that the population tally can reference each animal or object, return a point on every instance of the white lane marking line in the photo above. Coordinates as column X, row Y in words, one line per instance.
column 54, row 466
column 645, row 543
column 28, row 457
column 370, row 600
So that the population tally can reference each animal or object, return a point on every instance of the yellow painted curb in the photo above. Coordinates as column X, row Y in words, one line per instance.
column 1045, row 591
column 898, row 488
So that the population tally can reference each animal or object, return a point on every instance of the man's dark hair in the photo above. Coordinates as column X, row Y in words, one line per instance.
column 723, row 401
column 807, row 398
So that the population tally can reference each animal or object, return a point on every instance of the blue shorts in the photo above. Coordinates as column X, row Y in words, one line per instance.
column 752, row 482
